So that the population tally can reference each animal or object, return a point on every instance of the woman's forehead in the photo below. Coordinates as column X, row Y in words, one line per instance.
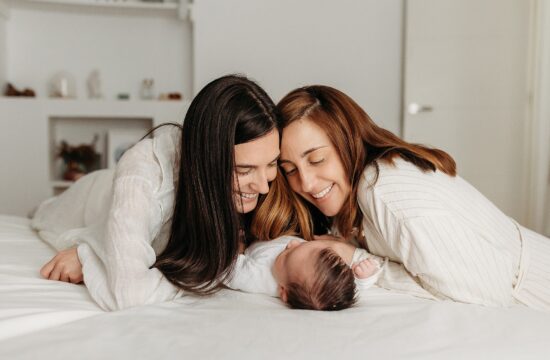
column 260, row 151
column 301, row 136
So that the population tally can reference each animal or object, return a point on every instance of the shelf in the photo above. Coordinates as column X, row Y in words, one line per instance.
column 108, row 137
column 167, row 8
column 95, row 102
column 61, row 184
column 101, row 108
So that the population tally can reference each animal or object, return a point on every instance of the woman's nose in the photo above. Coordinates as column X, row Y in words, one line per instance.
column 307, row 179
column 261, row 183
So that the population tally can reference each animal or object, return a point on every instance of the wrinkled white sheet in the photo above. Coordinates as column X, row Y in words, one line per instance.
column 51, row 320
column 27, row 301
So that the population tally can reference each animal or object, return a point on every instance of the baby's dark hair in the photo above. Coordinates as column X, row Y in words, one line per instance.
column 332, row 289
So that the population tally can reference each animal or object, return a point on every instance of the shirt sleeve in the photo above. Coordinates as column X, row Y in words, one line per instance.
column 366, row 283
column 117, row 267
column 252, row 276
column 395, row 277
column 409, row 218
column 454, row 261
column 391, row 276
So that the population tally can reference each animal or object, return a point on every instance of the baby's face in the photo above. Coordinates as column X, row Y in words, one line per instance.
column 297, row 262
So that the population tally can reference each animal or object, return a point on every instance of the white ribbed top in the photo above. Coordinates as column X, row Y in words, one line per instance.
column 456, row 243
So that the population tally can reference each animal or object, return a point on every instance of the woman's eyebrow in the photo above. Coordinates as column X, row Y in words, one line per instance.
column 255, row 166
column 305, row 153
column 312, row 150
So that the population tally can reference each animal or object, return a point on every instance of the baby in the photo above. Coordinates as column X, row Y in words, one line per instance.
column 317, row 275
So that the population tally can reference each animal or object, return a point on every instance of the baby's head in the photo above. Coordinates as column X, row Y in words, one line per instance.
column 313, row 275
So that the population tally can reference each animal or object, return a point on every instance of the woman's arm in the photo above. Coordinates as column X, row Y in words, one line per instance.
column 454, row 261
column 117, row 255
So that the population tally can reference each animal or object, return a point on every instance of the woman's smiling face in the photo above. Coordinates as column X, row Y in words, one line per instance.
column 313, row 167
column 255, row 168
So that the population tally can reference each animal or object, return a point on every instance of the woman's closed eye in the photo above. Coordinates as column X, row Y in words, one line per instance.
column 288, row 170
column 292, row 170
column 243, row 171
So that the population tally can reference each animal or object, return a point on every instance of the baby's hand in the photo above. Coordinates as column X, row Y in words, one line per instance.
column 366, row 268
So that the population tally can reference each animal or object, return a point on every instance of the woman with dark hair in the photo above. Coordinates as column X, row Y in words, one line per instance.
column 405, row 202
column 178, row 208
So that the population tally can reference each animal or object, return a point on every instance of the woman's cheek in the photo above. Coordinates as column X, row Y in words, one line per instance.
column 294, row 184
column 272, row 174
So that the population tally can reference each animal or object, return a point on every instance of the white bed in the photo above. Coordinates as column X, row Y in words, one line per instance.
column 41, row 319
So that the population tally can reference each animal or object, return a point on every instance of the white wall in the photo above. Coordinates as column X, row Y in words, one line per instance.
column 3, row 48
column 125, row 47
column 355, row 46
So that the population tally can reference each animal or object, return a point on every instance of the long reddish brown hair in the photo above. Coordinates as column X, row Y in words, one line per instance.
column 280, row 213
column 358, row 141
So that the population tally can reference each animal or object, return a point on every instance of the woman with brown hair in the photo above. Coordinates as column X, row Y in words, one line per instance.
column 406, row 202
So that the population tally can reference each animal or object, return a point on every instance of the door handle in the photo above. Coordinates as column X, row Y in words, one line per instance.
column 415, row 108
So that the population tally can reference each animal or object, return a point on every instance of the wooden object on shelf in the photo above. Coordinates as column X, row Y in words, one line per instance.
column 13, row 91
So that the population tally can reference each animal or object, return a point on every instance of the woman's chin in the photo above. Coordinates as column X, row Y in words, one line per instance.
column 329, row 208
column 247, row 206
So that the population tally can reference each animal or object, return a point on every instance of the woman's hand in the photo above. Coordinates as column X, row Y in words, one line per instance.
column 65, row 266
column 366, row 268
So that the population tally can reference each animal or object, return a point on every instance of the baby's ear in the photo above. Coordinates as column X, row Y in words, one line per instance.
column 282, row 293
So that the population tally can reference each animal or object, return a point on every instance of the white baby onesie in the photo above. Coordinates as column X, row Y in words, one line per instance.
column 253, row 269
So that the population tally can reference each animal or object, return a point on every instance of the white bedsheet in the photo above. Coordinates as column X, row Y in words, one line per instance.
column 40, row 319
column 28, row 302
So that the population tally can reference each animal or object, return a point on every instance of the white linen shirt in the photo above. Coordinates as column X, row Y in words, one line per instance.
column 120, row 223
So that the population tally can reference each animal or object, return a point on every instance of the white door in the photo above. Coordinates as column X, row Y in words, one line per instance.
column 466, row 89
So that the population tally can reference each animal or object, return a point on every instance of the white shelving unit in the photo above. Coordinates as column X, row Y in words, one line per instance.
column 81, row 130
column 32, row 128
column 173, row 8
column 128, row 4
column 126, row 41
column 58, row 186
column 166, row 7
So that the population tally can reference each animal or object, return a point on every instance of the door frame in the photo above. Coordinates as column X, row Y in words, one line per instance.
column 537, row 136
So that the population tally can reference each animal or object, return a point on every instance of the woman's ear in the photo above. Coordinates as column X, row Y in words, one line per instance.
column 282, row 293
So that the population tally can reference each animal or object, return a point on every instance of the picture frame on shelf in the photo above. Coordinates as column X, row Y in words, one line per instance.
column 119, row 141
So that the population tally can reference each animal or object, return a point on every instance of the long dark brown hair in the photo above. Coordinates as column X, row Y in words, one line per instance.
column 206, row 226
column 358, row 141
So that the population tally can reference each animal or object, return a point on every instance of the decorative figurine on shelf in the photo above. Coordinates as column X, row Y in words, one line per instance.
column 63, row 85
column 12, row 91
column 94, row 85
column 146, row 92
column 79, row 160
column 170, row 96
